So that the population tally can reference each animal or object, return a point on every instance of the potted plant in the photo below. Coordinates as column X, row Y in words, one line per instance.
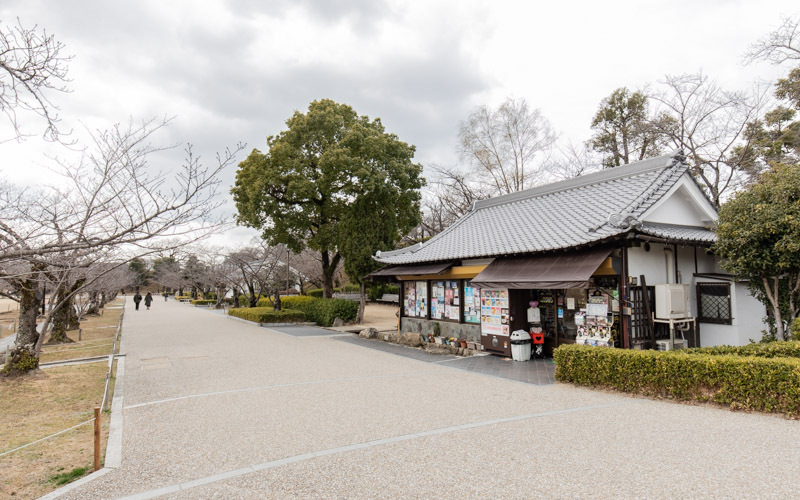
column 463, row 342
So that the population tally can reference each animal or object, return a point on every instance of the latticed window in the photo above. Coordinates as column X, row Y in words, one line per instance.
column 714, row 303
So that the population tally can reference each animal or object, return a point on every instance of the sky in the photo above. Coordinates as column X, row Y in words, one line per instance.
column 234, row 71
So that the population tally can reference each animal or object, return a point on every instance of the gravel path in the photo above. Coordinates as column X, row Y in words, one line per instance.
column 216, row 408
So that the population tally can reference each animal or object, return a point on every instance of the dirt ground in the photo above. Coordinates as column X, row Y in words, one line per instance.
column 379, row 316
column 50, row 400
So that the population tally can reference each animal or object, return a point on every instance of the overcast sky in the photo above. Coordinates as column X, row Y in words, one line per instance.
column 234, row 71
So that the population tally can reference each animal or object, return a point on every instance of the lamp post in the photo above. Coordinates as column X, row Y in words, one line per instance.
column 288, row 253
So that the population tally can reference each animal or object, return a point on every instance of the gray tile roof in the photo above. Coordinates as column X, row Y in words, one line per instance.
column 564, row 214
column 688, row 234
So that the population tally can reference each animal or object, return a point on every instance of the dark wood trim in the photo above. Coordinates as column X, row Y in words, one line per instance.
column 624, row 320
column 648, row 312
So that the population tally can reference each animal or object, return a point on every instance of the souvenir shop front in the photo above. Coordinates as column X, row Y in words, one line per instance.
column 568, row 298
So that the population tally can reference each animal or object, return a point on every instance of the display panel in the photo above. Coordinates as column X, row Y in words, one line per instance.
column 494, row 311
column 445, row 300
column 472, row 303
column 415, row 299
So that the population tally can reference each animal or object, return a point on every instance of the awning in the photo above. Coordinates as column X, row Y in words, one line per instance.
column 571, row 270
column 412, row 270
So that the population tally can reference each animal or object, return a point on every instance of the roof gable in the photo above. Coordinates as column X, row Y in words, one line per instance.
column 565, row 214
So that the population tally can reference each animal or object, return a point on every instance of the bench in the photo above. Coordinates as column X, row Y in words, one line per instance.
column 390, row 298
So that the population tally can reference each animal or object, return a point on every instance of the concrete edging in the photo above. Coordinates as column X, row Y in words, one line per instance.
column 113, row 457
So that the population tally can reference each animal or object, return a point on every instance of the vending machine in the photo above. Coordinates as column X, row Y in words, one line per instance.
column 495, row 321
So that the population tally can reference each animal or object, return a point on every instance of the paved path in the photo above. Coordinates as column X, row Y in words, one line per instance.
column 216, row 408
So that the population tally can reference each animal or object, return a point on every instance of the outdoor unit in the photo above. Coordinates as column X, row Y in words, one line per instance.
column 663, row 345
column 672, row 301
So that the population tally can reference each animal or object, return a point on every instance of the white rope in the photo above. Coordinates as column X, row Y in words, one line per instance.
column 44, row 438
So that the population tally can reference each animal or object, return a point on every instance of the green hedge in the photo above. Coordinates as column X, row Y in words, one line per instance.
column 267, row 315
column 788, row 349
column 206, row 302
column 742, row 382
column 351, row 288
column 376, row 291
column 324, row 311
column 320, row 311
column 316, row 293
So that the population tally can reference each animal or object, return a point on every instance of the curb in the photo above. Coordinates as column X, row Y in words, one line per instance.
column 113, row 457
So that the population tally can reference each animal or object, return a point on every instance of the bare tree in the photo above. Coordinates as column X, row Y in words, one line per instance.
column 257, row 267
column 505, row 146
column 110, row 208
column 32, row 65
column 708, row 123
column 780, row 45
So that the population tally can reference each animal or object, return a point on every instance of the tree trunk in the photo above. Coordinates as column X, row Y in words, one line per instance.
column 362, row 304
column 63, row 320
column 102, row 302
column 328, row 270
column 772, row 295
column 252, row 296
column 94, row 303
column 22, row 357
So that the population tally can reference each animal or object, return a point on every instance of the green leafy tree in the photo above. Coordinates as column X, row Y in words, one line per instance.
column 623, row 131
column 372, row 224
column 140, row 270
column 759, row 239
column 308, row 182
column 774, row 139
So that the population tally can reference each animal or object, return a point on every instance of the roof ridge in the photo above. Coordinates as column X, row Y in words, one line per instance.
column 610, row 174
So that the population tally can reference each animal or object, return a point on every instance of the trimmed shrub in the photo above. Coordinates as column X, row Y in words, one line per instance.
column 264, row 302
column 741, row 382
column 778, row 349
column 267, row 315
column 296, row 302
column 204, row 302
column 316, row 293
column 181, row 297
column 243, row 301
column 376, row 291
column 324, row 311
column 351, row 288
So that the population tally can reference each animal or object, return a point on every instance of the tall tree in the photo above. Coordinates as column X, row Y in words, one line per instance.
column 623, row 130
column 305, row 185
column 32, row 65
column 708, row 123
column 758, row 238
column 507, row 144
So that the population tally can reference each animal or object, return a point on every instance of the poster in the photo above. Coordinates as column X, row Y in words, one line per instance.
column 494, row 312
column 472, row 304
column 597, row 306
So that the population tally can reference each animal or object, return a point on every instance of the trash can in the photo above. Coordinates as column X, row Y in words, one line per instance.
column 520, row 345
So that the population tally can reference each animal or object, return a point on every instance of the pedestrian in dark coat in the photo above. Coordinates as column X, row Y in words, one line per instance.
column 148, row 299
column 136, row 299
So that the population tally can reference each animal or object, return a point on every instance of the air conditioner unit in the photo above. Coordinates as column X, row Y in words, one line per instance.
column 672, row 301
column 663, row 345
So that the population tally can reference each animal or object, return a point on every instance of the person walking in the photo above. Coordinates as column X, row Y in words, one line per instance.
column 136, row 299
column 148, row 299
column 165, row 296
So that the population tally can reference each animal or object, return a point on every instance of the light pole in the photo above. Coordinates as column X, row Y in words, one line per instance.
column 288, row 253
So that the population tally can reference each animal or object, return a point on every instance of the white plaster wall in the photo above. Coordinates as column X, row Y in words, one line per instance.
column 748, row 313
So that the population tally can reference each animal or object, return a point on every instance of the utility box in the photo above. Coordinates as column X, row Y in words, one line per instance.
column 672, row 301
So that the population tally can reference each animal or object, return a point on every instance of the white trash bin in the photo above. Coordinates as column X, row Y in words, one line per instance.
column 520, row 345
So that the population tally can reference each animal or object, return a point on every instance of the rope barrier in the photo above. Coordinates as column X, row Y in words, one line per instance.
column 48, row 437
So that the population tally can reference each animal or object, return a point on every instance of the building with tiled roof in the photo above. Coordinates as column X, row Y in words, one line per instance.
column 597, row 235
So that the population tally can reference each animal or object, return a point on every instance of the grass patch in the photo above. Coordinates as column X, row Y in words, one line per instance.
column 47, row 401
column 68, row 477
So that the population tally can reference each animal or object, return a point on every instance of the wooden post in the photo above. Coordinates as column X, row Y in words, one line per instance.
column 650, row 322
column 97, row 438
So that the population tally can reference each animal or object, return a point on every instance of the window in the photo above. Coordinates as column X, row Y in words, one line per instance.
column 472, row 303
column 415, row 299
column 445, row 300
column 714, row 303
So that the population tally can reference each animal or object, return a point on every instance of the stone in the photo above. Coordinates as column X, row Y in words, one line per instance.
column 338, row 322
column 368, row 333
column 411, row 339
